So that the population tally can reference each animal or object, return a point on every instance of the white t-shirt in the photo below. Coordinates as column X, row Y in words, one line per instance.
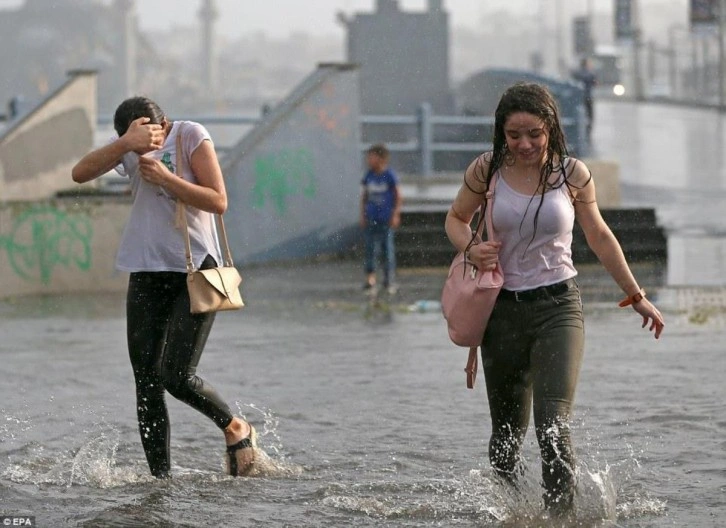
column 150, row 241
column 530, row 258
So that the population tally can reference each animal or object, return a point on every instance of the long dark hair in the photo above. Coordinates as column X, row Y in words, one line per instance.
column 537, row 100
column 134, row 108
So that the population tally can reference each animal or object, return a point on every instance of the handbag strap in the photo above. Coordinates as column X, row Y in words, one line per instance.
column 488, row 222
column 182, row 215
column 472, row 365
column 490, row 207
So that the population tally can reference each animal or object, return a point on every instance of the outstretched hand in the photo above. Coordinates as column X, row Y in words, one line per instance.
column 650, row 315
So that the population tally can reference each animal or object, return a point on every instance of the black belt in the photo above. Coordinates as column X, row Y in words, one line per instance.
column 538, row 294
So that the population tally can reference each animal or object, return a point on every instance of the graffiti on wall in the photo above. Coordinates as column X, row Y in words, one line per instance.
column 330, row 114
column 282, row 175
column 44, row 237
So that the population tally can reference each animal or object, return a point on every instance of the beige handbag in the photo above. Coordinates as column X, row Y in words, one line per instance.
column 214, row 289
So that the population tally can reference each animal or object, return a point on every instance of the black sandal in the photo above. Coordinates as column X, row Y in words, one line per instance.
column 235, row 466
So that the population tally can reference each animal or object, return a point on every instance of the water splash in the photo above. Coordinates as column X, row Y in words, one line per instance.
column 93, row 464
column 268, row 440
column 484, row 498
column 11, row 425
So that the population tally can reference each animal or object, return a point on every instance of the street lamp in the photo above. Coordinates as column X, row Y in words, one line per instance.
column 637, row 73
column 721, row 53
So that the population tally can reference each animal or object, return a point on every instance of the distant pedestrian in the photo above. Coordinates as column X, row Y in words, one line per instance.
column 380, row 216
column 587, row 78
column 165, row 340
column 533, row 345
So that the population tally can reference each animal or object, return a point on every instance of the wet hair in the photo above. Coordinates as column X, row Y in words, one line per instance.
column 380, row 150
column 537, row 100
column 134, row 108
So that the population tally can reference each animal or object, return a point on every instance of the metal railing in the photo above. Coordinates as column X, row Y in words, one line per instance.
column 424, row 122
column 427, row 146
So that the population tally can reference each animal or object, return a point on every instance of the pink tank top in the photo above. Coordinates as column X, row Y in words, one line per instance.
column 530, row 258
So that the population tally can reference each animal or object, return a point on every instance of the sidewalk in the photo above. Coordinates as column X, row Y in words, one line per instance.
column 339, row 283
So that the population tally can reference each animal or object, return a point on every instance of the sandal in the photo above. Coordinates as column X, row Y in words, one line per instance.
column 240, row 461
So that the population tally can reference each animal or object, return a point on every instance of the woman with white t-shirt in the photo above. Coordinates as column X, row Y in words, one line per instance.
column 165, row 340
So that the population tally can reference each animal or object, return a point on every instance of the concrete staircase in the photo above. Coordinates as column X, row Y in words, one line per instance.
column 421, row 240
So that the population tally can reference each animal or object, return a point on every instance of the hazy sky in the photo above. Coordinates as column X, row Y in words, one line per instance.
column 280, row 17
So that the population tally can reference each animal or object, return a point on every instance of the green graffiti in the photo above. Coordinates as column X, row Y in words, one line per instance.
column 282, row 175
column 44, row 237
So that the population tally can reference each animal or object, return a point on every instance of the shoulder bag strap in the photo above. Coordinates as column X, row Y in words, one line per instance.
column 490, row 206
column 481, row 222
column 182, row 216
column 472, row 363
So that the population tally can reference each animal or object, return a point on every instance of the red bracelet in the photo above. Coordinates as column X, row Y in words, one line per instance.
column 632, row 299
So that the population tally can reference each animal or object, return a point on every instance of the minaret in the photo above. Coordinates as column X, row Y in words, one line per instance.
column 126, row 11
column 208, row 14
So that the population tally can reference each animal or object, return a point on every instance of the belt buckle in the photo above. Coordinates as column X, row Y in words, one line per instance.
column 516, row 296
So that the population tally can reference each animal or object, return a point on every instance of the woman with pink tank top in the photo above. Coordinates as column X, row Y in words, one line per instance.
column 533, row 346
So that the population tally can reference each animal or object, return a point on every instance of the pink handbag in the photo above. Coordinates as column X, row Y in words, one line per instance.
column 468, row 296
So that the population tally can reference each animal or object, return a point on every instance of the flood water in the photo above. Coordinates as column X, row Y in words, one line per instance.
column 363, row 411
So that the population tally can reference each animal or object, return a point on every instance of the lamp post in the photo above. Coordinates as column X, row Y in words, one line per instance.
column 559, row 52
column 637, row 71
column 673, row 59
column 591, row 25
column 721, row 53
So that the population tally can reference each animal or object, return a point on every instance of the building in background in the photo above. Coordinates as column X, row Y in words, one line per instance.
column 404, row 62
column 43, row 40
column 403, row 58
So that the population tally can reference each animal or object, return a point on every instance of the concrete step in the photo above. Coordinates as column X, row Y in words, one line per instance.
column 421, row 240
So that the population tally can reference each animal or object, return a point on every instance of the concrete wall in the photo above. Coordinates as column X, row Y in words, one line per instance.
column 38, row 151
column 294, row 181
column 61, row 245
column 52, row 245
column 293, row 186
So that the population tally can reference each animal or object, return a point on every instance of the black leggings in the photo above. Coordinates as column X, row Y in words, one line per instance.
column 165, row 344
column 532, row 352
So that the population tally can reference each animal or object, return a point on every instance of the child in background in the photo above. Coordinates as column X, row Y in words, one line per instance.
column 380, row 215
